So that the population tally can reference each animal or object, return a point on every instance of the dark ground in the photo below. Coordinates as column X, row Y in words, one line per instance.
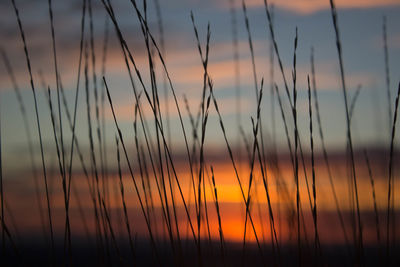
column 32, row 252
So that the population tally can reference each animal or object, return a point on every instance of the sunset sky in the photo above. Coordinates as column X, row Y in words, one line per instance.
column 360, row 23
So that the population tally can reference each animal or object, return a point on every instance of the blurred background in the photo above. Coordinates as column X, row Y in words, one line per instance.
column 371, row 50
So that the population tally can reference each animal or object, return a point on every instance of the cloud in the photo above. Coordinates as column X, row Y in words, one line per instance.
column 306, row 7
column 327, row 77
column 125, row 110
column 186, row 69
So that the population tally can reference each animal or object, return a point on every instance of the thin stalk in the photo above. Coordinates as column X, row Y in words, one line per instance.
column 103, row 145
column 274, row 237
column 55, row 128
column 114, row 241
column 206, row 212
column 96, row 96
column 234, row 166
column 247, row 24
column 314, row 187
column 28, row 63
column 246, row 144
column 221, row 234
column 235, row 46
column 80, row 156
column 194, row 126
column 252, row 163
column 360, row 248
column 57, row 141
column 160, row 24
column 10, row 212
column 292, row 154
column 272, row 89
column 126, row 51
column 387, row 70
column 227, row 143
column 272, row 34
column 128, row 228
column 158, row 120
column 324, row 150
column 372, row 181
column 70, row 123
column 144, row 173
column 229, row 149
column 140, row 164
column 22, row 108
column 8, row 234
column 285, row 124
column 61, row 144
column 391, row 178
column 131, row 173
column 94, row 169
column 176, row 104
column 147, row 176
column 253, row 63
column 204, row 117
column 76, row 99
column 296, row 160
column 354, row 101
column 81, row 212
column 156, row 103
column 202, row 170
column 180, row 119
column 3, row 240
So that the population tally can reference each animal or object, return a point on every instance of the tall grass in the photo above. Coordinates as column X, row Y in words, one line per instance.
column 3, row 243
column 314, row 187
column 28, row 63
column 390, row 209
column 359, row 242
column 162, row 202
column 324, row 150
column 387, row 69
column 27, row 130
column 130, row 170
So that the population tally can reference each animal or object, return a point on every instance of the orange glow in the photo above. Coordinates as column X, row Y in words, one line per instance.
column 232, row 208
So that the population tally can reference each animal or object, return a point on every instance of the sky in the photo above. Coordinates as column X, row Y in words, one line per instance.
column 360, row 24
column 361, row 30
